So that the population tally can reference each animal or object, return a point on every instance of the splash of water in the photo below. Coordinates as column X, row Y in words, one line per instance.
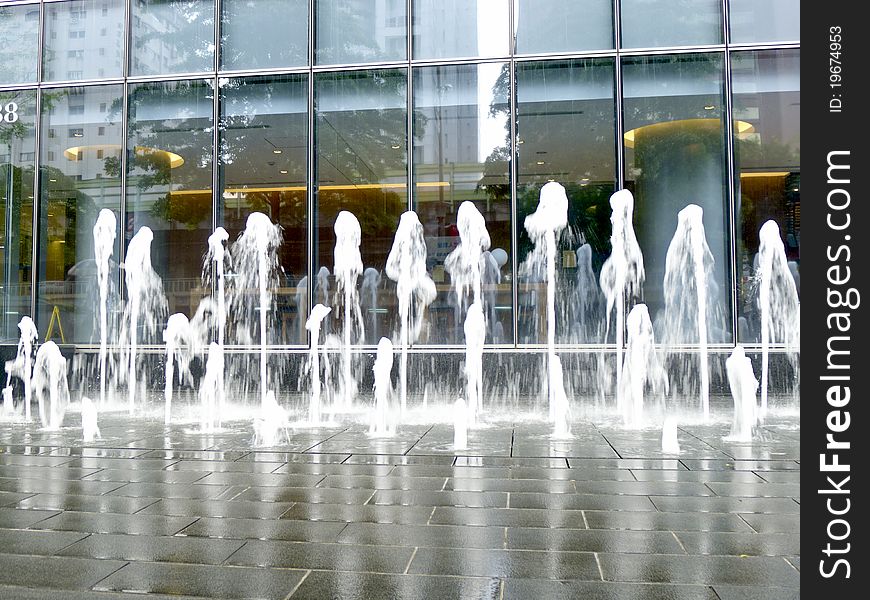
column 50, row 385
column 318, row 313
column 254, row 257
column 460, row 425
column 475, row 336
column 90, row 428
column 688, row 271
column 209, row 389
column 176, row 336
column 465, row 263
column 622, row 274
column 382, row 421
column 670, row 437
column 216, row 259
column 22, row 365
column 406, row 265
column 561, row 408
column 778, row 301
column 270, row 425
column 104, row 245
column 641, row 367
column 146, row 302
column 744, row 385
column 369, row 298
column 549, row 219
column 348, row 267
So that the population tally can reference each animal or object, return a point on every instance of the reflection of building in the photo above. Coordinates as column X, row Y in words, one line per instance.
column 349, row 121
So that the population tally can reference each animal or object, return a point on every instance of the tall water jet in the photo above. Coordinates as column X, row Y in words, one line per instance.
column 318, row 313
column 460, row 425
column 215, row 266
column 406, row 265
column 670, row 437
column 688, row 269
column 622, row 274
column 369, row 299
column 778, row 302
column 561, row 408
column 641, row 367
column 22, row 365
column 90, row 429
column 145, row 300
column 176, row 336
column 270, row 425
column 465, row 263
column 104, row 245
column 209, row 389
column 254, row 258
column 743, row 385
column 587, row 298
column 50, row 385
column 550, row 218
column 347, row 268
column 382, row 424
column 475, row 336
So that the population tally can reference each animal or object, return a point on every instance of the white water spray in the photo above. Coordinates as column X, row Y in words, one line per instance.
column 460, row 425
column 670, row 437
column 348, row 267
column 318, row 313
column 406, row 265
column 216, row 258
column 50, row 385
column 475, row 336
column 561, row 408
column 90, row 429
column 622, row 274
column 209, row 389
column 177, row 337
column 641, row 367
column 270, row 425
column 465, row 263
column 550, row 218
column 22, row 365
column 382, row 423
column 744, row 385
column 104, row 245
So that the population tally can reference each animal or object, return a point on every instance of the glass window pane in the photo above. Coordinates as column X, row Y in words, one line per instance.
column 84, row 39
column 361, row 166
column 460, row 28
column 19, row 34
column 563, row 25
column 169, row 154
column 360, row 31
column 767, row 165
column 17, row 161
column 80, row 174
column 652, row 23
column 566, row 123
column 172, row 36
column 675, row 156
column 461, row 152
column 765, row 20
column 280, row 28
column 264, row 127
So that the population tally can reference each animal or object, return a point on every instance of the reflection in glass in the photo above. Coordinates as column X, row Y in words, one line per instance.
column 280, row 28
column 169, row 154
column 84, row 39
column 564, row 25
column 565, row 133
column 461, row 141
column 767, row 165
column 653, row 23
column 460, row 28
column 361, row 166
column 80, row 174
column 19, row 32
column 17, row 147
column 264, row 127
column 360, row 31
column 675, row 156
column 172, row 36
column 765, row 20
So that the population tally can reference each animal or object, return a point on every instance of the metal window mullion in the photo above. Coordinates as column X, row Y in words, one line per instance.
column 216, row 188
column 731, row 184
column 37, row 127
column 310, row 170
column 514, row 156
column 618, row 99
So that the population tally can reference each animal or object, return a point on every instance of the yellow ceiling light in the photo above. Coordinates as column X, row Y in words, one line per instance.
column 666, row 127
column 753, row 174
column 302, row 188
column 174, row 159
column 74, row 152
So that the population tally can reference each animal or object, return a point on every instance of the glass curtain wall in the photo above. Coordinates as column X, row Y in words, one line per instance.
column 378, row 106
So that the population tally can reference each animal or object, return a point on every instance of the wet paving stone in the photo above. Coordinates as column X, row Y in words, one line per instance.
column 264, row 529
column 704, row 570
column 55, row 572
column 740, row 544
column 149, row 548
column 326, row 585
column 522, row 589
column 505, row 563
column 114, row 523
column 327, row 557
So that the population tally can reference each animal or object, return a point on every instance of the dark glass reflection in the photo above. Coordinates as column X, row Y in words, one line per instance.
column 17, row 163
column 674, row 156
column 652, row 23
column 563, row 25
column 460, row 28
column 360, row 31
column 169, row 154
column 169, row 36
column 19, row 42
column 565, row 133
column 361, row 167
column 84, row 39
column 461, row 141
column 764, row 20
column 263, row 34
column 80, row 174
column 264, row 136
column 767, row 165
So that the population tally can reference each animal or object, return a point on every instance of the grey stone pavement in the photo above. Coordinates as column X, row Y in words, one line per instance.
column 334, row 513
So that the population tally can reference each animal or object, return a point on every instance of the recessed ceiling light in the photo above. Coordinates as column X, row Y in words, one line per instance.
column 276, row 151
column 395, row 146
column 283, row 171
column 520, row 142
column 709, row 107
column 540, row 162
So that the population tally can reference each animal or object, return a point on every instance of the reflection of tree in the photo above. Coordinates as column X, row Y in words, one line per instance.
column 178, row 29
